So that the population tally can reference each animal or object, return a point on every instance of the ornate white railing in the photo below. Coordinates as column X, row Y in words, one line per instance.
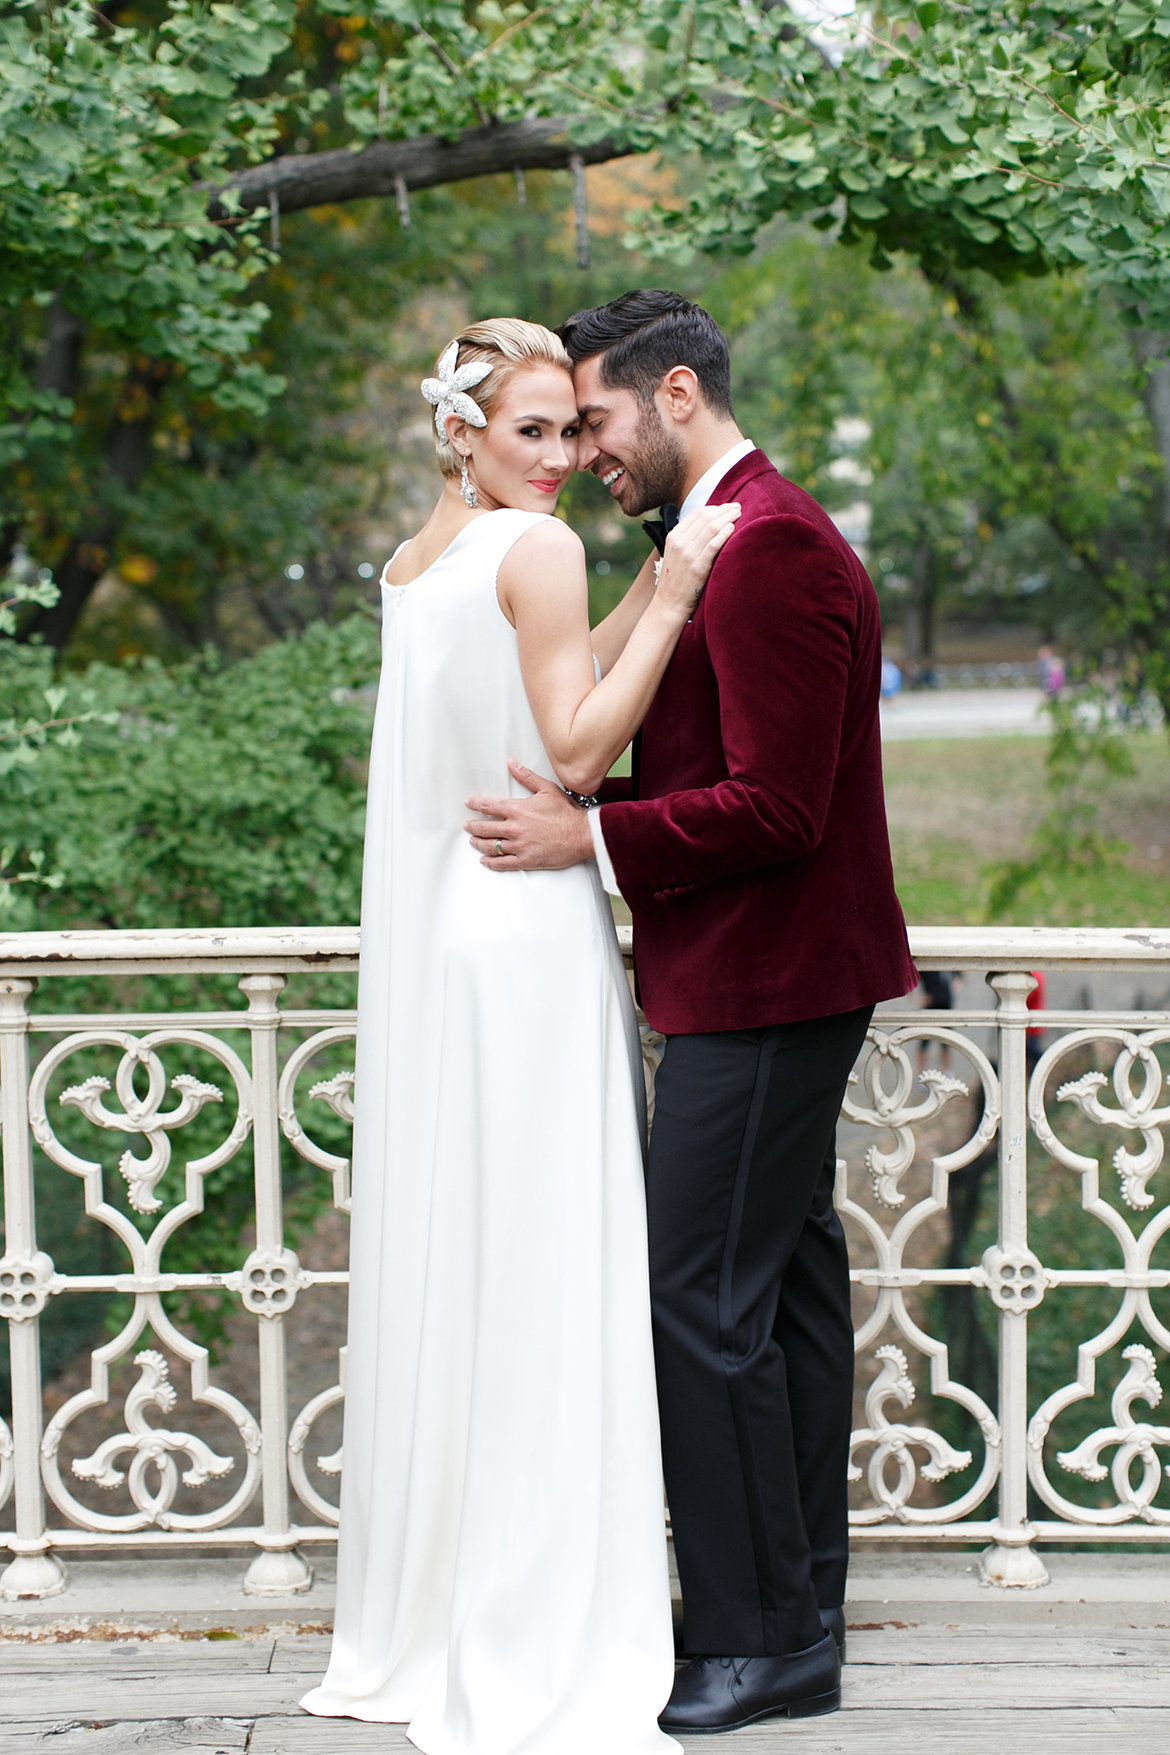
column 993, row 1463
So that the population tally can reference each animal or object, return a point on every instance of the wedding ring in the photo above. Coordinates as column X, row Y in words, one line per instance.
column 499, row 848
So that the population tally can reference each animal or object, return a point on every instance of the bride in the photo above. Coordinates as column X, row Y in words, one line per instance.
column 502, row 1576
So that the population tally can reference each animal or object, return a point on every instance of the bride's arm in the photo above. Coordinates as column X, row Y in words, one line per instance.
column 610, row 635
column 542, row 588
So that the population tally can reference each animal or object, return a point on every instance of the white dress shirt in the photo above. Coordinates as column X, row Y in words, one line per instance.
column 698, row 496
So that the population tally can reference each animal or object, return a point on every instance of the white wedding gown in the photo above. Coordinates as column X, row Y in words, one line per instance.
column 502, row 1574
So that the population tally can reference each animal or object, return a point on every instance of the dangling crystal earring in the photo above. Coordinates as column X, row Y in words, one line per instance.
column 467, row 488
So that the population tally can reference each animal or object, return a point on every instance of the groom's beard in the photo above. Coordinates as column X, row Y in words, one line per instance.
column 658, row 467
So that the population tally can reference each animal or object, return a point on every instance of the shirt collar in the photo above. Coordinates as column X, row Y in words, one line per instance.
column 709, row 481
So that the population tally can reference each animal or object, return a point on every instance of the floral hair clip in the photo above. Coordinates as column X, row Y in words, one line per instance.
column 448, row 392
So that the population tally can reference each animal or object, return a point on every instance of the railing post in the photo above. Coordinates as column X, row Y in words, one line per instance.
column 1015, row 1279
column 25, row 1275
column 271, row 1278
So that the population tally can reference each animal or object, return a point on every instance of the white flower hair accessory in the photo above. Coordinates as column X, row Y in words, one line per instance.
column 448, row 392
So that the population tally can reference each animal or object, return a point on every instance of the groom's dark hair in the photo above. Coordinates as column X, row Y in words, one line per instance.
column 643, row 334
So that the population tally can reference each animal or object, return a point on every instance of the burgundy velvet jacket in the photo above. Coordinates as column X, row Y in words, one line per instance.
column 752, row 845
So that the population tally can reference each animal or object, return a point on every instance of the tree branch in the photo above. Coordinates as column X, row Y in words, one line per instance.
column 312, row 179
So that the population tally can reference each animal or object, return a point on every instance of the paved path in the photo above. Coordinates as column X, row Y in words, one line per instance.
column 938, row 1666
column 965, row 713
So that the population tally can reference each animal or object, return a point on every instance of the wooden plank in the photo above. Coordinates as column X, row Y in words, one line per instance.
column 869, row 1732
column 169, row 1694
column 1136, row 1732
column 134, row 1658
column 1026, row 1687
column 306, row 1735
column 196, row 1736
column 302, row 1653
column 1032, row 1647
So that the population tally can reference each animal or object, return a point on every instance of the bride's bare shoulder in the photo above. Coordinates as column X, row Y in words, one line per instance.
column 549, row 540
column 545, row 566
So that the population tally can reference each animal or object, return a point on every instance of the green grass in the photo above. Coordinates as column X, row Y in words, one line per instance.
column 940, row 884
column 959, row 807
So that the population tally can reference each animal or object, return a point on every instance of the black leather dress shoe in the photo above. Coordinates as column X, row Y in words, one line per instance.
column 726, row 1693
column 833, row 1621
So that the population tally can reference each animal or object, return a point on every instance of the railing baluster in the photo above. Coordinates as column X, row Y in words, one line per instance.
column 25, row 1273
column 1015, row 1279
column 271, row 1278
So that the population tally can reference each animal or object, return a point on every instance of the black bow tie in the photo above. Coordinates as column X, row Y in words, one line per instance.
column 658, row 529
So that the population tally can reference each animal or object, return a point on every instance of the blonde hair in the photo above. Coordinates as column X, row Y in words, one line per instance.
column 508, row 344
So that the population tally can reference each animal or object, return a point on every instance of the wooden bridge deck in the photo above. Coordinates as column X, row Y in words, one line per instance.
column 937, row 1666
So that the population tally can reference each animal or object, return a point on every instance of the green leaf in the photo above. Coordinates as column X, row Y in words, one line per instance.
column 800, row 149
column 929, row 13
column 951, row 128
column 1096, row 59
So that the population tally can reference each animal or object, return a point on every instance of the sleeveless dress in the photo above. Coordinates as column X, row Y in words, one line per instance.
column 502, row 1576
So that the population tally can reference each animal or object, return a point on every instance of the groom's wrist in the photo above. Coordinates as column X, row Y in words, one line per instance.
column 605, row 869
column 580, row 837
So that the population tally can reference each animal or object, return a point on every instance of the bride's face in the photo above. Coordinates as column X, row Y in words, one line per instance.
column 528, row 450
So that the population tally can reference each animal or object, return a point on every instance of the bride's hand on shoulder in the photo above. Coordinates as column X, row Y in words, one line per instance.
column 690, row 554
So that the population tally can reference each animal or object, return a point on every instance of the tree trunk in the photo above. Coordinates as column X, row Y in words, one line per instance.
column 9, row 537
column 1152, row 350
column 88, row 554
column 924, row 576
column 59, row 368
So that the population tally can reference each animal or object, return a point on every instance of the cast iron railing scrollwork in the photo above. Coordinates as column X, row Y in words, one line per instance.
column 887, row 1096
column 156, row 1449
column 1134, row 1239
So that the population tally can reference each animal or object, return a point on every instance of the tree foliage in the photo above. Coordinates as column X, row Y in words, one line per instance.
column 207, row 793
column 36, row 714
column 1004, row 447
column 146, row 148
column 108, row 133
column 1008, row 135
column 1012, row 452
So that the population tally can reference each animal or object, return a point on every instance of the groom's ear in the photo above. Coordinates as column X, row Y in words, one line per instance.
column 678, row 393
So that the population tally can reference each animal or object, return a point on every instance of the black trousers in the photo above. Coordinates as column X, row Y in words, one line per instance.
column 753, row 1339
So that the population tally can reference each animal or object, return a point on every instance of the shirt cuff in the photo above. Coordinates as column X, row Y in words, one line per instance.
column 604, row 863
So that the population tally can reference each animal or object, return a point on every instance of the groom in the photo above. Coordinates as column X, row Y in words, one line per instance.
column 751, row 846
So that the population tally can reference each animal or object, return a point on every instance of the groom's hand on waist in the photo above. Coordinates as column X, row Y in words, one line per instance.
column 543, row 833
